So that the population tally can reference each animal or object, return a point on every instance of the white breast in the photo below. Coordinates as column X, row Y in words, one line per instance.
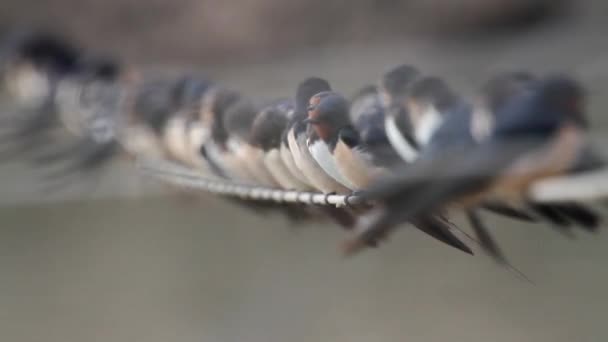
column 403, row 148
column 430, row 121
column 320, row 152
column 29, row 86
column 274, row 163
column 289, row 162
column 176, row 139
column 307, row 165
column 141, row 141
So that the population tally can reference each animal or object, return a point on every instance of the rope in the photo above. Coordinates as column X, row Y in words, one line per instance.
column 589, row 186
column 184, row 177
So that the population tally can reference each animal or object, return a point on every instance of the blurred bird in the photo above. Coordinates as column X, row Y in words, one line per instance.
column 427, row 101
column 219, row 151
column 184, row 133
column 266, row 134
column 57, row 86
column 32, row 62
column 329, row 117
column 399, row 131
column 537, row 134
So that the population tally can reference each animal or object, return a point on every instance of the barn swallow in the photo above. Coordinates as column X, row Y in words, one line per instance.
column 239, row 120
column 327, row 114
column 431, row 97
column 220, row 150
column 537, row 134
column 297, row 158
column 89, row 105
column 58, row 85
column 31, row 63
column 360, row 154
column 265, row 137
column 393, row 87
column 297, row 138
column 184, row 133
column 365, row 157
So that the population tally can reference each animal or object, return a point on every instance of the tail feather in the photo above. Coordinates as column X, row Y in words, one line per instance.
column 486, row 241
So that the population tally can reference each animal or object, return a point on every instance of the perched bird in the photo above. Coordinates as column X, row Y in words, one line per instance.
column 238, row 121
column 31, row 64
column 297, row 158
column 360, row 154
column 328, row 115
column 219, row 150
column 90, row 105
column 152, row 103
column 427, row 101
column 266, row 134
column 537, row 134
column 184, row 133
column 298, row 138
column 398, row 127
column 57, row 85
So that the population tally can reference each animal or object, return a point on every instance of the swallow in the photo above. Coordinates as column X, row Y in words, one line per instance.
column 298, row 140
column 296, row 157
column 151, row 105
column 32, row 62
column 266, row 137
column 495, row 93
column 220, row 149
column 393, row 87
column 538, row 133
column 360, row 154
column 328, row 113
column 184, row 134
column 239, row 121
column 428, row 101
column 60, row 86
column 89, row 105
column 363, row 160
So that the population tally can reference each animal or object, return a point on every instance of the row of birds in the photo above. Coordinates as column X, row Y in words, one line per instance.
column 410, row 146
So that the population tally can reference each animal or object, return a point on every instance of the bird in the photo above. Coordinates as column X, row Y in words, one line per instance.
column 32, row 62
column 184, row 133
column 220, row 149
column 536, row 134
column 360, row 154
column 427, row 101
column 265, row 138
column 56, row 84
column 393, row 87
column 329, row 117
column 298, row 138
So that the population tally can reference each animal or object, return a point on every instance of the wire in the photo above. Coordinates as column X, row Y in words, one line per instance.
column 188, row 178
column 588, row 186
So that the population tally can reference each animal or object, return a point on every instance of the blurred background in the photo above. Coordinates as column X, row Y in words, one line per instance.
column 123, row 258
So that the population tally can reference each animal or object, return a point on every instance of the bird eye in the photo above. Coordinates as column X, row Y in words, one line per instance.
column 311, row 108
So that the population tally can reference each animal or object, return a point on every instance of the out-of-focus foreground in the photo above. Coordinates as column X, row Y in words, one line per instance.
column 158, row 268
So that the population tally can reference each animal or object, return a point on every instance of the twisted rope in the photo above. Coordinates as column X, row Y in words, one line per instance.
column 588, row 187
column 184, row 177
